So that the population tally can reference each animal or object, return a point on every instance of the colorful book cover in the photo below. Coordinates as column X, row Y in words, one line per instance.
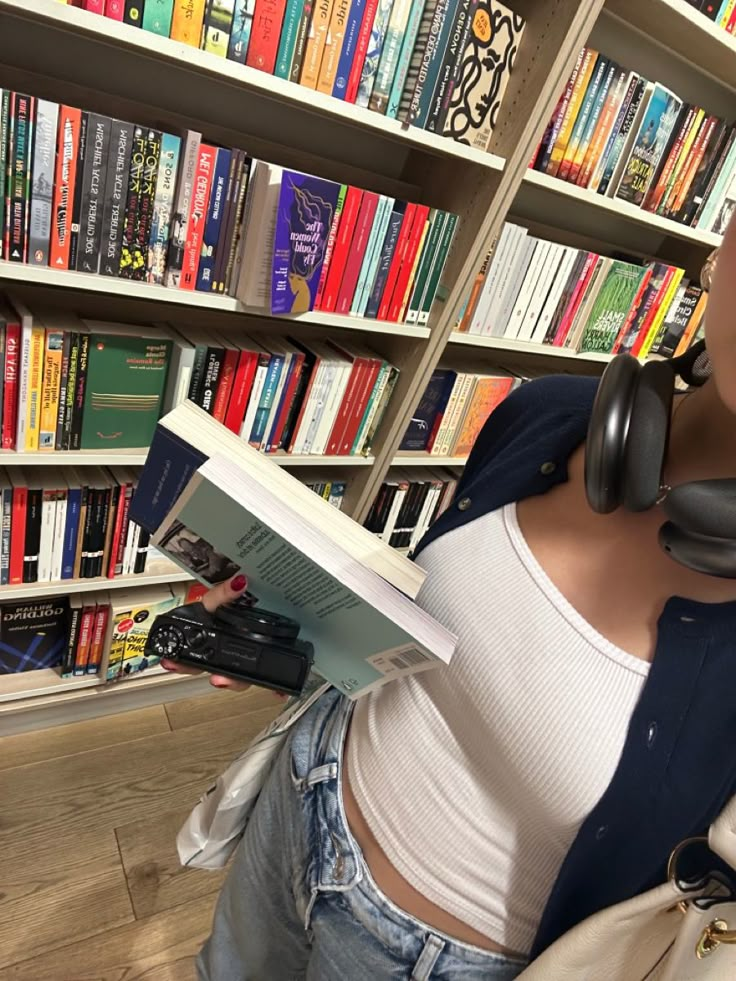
column 240, row 37
column 19, row 168
column 42, row 185
column 590, row 96
column 197, row 215
column 611, row 307
column 600, row 104
column 157, row 16
column 452, row 65
column 604, row 128
column 186, row 21
column 622, row 128
column 409, row 41
column 213, row 221
column 126, row 378
column 305, row 212
column 144, row 216
column 287, row 43
column 50, row 389
column 373, row 52
column 163, row 204
column 487, row 61
column 349, row 46
column 390, row 55
column 435, row 275
column 218, row 22
column 318, row 27
column 264, row 36
column 580, row 84
column 386, row 255
column 488, row 393
column 649, row 145
column 372, row 256
column 301, row 41
column 333, row 46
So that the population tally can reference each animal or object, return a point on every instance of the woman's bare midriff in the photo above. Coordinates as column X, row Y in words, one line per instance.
column 398, row 890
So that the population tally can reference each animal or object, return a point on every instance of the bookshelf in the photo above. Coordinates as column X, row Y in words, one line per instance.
column 66, row 54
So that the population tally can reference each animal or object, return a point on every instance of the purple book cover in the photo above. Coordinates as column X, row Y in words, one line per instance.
column 306, row 208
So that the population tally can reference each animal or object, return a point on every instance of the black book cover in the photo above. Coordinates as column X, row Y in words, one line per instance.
column 33, row 634
column 87, row 534
column 115, row 196
column 198, row 368
column 19, row 169
column 141, row 552
column 300, row 44
column 238, row 222
column 456, row 45
column 704, row 180
column 69, row 649
column 93, row 184
column 134, row 12
column 135, row 180
column 403, row 516
column 75, row 433
column 220, row 249
column 63, row 382
column 101, row 523
column 213, row 368
column 715, row 174
column 69, row 392
column 415, row 509
column 137, row 269
column 170, row 465
column 299, row 394
column 33, row 534
column 77, row 201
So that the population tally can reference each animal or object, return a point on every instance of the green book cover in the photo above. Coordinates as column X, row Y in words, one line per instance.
column 157, row 16
column 292, row 19
column 611, row 306
column 448, row 233
column 438, row 219
column 126, row 379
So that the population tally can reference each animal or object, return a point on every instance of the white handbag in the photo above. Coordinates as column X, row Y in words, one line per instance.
column 677, row 932
column 209, row 835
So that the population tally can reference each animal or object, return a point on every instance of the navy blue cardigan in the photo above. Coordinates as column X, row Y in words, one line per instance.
column 678, row 766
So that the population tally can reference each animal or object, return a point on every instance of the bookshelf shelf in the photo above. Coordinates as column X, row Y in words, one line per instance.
column 35, row 684
column 136, row 458
column 684, row 33
column 13, row 272
column 525, row 347
column 620, row 209
column 150, row 50
column 420, row 459
column 31, row 590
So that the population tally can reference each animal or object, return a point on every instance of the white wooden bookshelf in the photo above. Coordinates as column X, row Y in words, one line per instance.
column 33, row 590
column 136, row 458
column 524, row 347
column 420, row 459
column 76, row 282
column 598, row 204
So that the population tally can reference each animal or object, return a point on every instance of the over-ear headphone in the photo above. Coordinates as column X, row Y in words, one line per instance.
column 625, row 452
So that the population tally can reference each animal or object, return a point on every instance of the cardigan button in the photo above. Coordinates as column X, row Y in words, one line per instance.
column 601, row 832
column 464, row 503
column 651, row 734
column 548, row 468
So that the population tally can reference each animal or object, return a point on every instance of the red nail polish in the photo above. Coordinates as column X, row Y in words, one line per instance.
column 238, row 583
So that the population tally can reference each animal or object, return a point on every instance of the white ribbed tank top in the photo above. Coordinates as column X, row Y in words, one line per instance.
column 475, row 778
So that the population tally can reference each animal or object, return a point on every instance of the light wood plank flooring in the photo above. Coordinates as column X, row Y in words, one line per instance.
column 90, row 884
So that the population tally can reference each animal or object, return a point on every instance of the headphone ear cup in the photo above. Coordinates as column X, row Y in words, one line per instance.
column 648, row 434
column 702, row 553
column 608, row 428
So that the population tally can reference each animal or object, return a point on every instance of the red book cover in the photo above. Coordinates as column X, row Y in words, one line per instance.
column 225, row 383
column 731, row 25
column 97, row 645
column 67, row 151
column 305, row 400
column 365, row 390
column 360, row 366
column 84, row 644
column 655, row 194
column 242, row 384
column 396, row 261
column 407, row 265
column 197, row 216
column 286, row 404
column 265, row 35
column 330, row 248
column 633, row 311
column 342, row 248
column 652, row 312
column 576, row 299
column 17, row 534
column 116, row 532
column 363, row 228
column 10, row 385
column 119, row 552
column 94, row 6
column 361, row 48
column 114, row 9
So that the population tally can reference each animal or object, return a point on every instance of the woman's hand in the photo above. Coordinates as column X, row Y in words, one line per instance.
column 224, row 592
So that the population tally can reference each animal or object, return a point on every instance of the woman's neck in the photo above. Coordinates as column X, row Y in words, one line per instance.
column 703, row 438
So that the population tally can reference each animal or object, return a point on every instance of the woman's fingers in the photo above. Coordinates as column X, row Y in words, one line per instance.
column 224, row 592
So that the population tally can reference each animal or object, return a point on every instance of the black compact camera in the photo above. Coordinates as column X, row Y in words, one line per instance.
column 239, row 640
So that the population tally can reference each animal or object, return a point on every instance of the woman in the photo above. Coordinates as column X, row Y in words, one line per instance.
column 454, row 824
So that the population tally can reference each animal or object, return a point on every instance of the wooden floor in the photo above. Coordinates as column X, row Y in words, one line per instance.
column 90, row 884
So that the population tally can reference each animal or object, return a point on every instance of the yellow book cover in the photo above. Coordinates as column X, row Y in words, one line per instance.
column 318, row 28
column 50, row 389
column 333, row 46
column 489, row 392
column 682, row 162
column 692, row 328
column 571, row 113
column 415, row 266
column 466, row 315
column 33, row 406
column 726, row 15
column 186, row 23
column 661, row 312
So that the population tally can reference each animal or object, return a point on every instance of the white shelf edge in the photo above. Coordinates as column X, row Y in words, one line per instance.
column 621, row 209
column 61, row 588
column 420, row 459
column 136, row 458
column 24, row 274
column 106, row 31
column 525, row 347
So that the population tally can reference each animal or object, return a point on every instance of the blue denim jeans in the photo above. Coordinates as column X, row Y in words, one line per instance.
column 299, row 901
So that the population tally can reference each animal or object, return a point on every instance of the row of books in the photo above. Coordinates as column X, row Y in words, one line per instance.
column 621, row 135
column 540, row 291
column 324, row 398
column 333, row 491
column 406, row 506
column 720, row 12
column 62, row 523
column 453, row 410
column 101, row 195
column 442, row 65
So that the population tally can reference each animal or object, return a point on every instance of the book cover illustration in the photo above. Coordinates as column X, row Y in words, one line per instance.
column 126, row 379
column 373, row 53
column 649, row 145
column 242, row 22
column 305, row 212
column 488, row 393
column 33, row 635
column 218, row 22
column 486, row 65
column 131, row 624
column 611, row 306
column 419, row 429
column 168, row 168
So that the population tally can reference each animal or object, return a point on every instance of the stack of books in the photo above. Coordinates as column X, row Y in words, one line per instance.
column 407, row 505
column 441, row 65
column 619, row 134
column 540, row 291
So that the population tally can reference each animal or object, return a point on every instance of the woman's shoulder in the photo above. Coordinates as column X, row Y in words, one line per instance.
column 568, row 394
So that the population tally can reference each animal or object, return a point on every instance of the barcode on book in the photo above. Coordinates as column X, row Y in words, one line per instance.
column 399, row 660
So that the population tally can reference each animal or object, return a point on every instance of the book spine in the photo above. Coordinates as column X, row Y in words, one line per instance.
column 10, row 386
column 333, row 46
column 587, row 102
column 661, row 180
column 50, row 389
column 5, row 116
column 195, row 224
column 157, row 16
column 301, row 41
column 180, row 217
column 321, row 15
column 341, row 250
column 390, row 55
column 163, row 203
column 215, row 361
column 94, row 178
column 361, row 49
column 676, row 203
column 429, row 254
column 435, row 275
column 69, row 393
column 287, row 43
column 577, row 85
column 115, row 197
column 349, row 45
column 598, row 107
column 384, row 263
column 32, row 538
column 370, row 260
column 133, row 12
column 225, row 384
column 115, row 9
column 71, row 530
column 213, row 223
column 67, row 661
column 217, row 26
column 363, row 395
column 373, row 52
column 6, row 502
column 42, row 185
column 33, row 405
column 408, row 44
column 622, row 134
column 235, row 252
column 454, row 62
column 357, row 252
column 237, row 49
column 75, row 434
column 132, row 202
column 265, row 34
column 330, row 246
column 23, row 108
column 242, row 384
column 226, row 224
column 264, row 406
column 138, row 269
column 456, row 22
column 77, row 195
column 397, row 259
column 186, row 21
column 63, row 381
column 94, row 6
column 18, row 534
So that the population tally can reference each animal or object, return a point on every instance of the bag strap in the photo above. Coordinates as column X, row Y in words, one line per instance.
column 722, row 834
